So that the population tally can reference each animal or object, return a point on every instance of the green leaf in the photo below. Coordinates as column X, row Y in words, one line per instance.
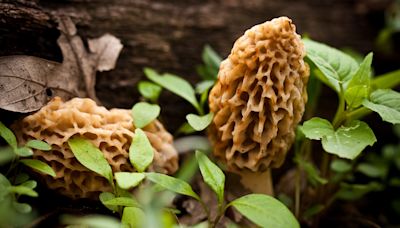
column 340, row 166
column 172, row 184
column 383, row 40
column 394, row 181
column 363, row 74
column 39, row 166
column 149, row 90
column 356, row 191
column 349, row 141
column 346, row 142
column 396, row 130
column 174, row 84
column 313, row 175
column 203, row 98
column 199, row 123
column 355, row 95
column 191, row 143
column 357, row 56
column 187, row 169
column 133, row 217
column 30, row 184
column 359, row 85
column 396, row 206
column 92, row 221
column 387, row 81
column 21, row 178
column 8, row 135
column 336, row 66
column 205, row 224
column 23, row 190
column 211, row 58
column 144, row 113
column 141, row 152
column 285, row 199
column 209, row 70
column 386, row 103
column 91, row 157
column 185, row 128
column 24, row 151
column 7, row 154
column 4, row 186
column 313, row 210
column 265, row 211
column 204, row 72
column 373, row 170
column 22, row 207
column 313, row 90
column 316, row 128
column 121, row 201
column 127, row 180
column 39, row 145
column 212, row 175
column 204, row 86
column 106, row 196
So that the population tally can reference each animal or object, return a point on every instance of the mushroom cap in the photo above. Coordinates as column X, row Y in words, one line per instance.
column 109, row 130
column 259, row 97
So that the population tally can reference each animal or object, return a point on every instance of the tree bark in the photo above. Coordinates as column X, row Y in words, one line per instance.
column 169, row 35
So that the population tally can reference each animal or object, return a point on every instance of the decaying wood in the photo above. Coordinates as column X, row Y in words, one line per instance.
column 27, row 83
column 169, row 35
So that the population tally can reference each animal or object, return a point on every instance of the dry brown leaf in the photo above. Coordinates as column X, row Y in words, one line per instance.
column 27, row 83
column 103, row 54
column 107, row 49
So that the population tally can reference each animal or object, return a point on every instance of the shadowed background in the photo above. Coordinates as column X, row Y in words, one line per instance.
column 169, row 35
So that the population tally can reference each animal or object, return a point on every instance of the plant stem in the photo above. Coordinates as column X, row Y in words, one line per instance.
column 199, row 109
column 337, row 121
column 302, row 151
column 340, row 112
column 221, row 212
column 339, row 118
column 215, row 223
column 13, row 164
column 205, row 208
column 326, row 158
column 388, row 80
column 357, row 114
column 297, row 192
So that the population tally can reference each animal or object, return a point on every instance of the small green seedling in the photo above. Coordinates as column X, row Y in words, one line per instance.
column 182, row 88
column 346, row 136
column 263, row 210
column 144, row 113
column 149, row 90
column 15, row 183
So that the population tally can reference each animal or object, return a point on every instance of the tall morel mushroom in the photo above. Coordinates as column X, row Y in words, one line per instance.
column 259, row 98
column 109, row 130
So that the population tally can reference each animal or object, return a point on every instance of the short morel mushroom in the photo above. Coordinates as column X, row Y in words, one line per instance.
column 109, row 130
column 259, row 98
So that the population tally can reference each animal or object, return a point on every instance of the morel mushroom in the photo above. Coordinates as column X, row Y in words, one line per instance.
column 259, row 97
column 109, row 130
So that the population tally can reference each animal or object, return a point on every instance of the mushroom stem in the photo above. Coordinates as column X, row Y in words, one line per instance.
column 257, row 182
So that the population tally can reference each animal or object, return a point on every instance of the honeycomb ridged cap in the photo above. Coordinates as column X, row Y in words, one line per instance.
column 109, row 130
column 259, row 97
